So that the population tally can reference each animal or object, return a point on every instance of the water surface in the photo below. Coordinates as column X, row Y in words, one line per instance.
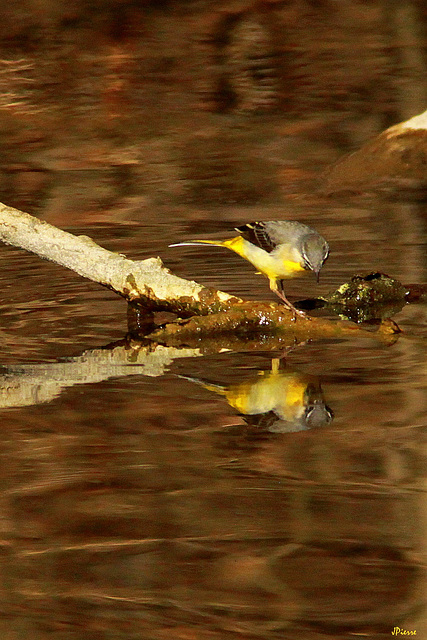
column 138, row 498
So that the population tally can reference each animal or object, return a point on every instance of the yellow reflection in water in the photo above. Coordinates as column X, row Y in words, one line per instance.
column 284, row 400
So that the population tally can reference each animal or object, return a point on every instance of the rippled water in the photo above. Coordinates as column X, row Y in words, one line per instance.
column 150, row 493
column 144, row 491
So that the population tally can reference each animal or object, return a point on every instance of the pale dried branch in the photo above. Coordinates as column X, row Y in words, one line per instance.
column 147, row 282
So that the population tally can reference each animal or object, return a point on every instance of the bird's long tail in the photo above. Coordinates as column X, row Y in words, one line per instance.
column 215, row 243
column 210, row 386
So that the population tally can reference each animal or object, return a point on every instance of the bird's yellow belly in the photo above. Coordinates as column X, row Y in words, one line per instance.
column 275, row 265
column 280, row 268
column 282, row 393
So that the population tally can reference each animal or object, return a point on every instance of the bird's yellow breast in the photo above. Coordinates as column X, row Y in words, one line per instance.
column 283, row 393
column 280, row 263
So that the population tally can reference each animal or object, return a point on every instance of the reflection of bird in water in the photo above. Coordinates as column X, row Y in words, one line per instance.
column 277, row 400
column 278, row 249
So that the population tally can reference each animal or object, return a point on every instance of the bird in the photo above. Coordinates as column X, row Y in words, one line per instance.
column 278, row 249
column 280, row 401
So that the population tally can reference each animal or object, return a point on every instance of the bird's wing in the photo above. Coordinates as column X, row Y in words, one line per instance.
column 270, row 235
column 257, row 233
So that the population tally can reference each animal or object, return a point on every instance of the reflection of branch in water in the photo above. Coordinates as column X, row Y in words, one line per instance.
column 280, row 401
column 28, row 384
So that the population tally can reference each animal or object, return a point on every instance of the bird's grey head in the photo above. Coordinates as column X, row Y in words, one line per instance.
column 314, row 250
column 318, row 414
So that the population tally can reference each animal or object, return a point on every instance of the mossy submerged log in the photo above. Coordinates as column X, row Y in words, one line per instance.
column 269, row 322
column 374, row 288
column 368, row 298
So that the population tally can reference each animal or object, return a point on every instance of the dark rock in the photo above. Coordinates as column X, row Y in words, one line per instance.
column 396, row 160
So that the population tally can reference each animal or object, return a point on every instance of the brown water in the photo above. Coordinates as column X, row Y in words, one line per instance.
column 138, row 503
column 151, row 494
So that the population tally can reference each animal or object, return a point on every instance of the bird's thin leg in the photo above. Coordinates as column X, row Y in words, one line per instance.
column 278, row 290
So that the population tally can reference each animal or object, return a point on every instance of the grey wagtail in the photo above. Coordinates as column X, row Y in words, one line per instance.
column 292, row 401
column 278, row 249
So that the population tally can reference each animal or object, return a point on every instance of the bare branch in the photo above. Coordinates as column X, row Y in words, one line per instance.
column 144, row 281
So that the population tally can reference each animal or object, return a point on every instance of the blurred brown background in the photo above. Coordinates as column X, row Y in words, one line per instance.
column 113, row 109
